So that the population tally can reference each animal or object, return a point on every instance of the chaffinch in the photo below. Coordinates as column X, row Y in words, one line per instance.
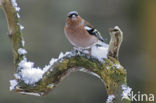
column 79, row 32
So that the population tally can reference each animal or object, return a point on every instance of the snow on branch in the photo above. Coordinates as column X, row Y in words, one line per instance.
column 37, row 81
column 110, row 99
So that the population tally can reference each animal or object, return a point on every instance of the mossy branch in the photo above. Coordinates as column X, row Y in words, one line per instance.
column 15, row 34
column 111, row 72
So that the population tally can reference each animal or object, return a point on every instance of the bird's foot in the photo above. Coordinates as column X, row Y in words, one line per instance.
column 77, row 51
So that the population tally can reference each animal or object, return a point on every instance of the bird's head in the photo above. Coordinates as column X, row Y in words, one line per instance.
column 73, row 14
column 73, row 18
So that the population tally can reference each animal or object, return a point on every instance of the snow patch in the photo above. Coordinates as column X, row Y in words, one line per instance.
column 29, row 73
column 18, row 16
column 13, row 83
column 126, row 92
column 110, row 99
column 53, row 60
column 22, row 51
column 15, row 5
column 51, row 85
column 100, row 52
column 23, row 42
column 21, row 27
column 24, row 64
column 17, row 76
column 61, row 55
column 118, row 66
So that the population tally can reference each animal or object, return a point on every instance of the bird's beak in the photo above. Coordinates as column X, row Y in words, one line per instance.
column 73, row 14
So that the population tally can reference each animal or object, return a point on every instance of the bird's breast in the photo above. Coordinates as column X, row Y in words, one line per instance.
column 79, row 37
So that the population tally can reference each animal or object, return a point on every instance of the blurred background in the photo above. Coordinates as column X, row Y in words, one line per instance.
column 44, row 21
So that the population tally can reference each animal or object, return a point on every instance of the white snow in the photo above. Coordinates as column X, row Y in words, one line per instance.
column 14, row 3
column 118, row 66
column 100, row 52
column 31, row 74
column 25, row 64
column 51, row 85
column 28, row 73
column 126, row 92
column 85, row 51
column 52, row 61
column 18, row 9
column 17, row 76
column 23, row 42
column 21, row 27
column 18, row 16
column 22, row 51
column 110, row 99
column 13, row 83
column 61, row 55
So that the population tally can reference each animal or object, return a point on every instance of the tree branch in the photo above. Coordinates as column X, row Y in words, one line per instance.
column 109, row 70
column 115, row 42
column 15, row 34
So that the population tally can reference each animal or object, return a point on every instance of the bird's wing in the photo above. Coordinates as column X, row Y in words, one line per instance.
column 87, row 24
column 92, row 31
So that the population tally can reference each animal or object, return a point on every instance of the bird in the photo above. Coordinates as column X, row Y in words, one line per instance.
column 80, row 33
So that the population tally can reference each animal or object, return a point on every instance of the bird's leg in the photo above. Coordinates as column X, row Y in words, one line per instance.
column 77, row 51
column 90, row 49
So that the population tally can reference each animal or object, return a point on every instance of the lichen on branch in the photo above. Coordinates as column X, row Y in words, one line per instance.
column 103, row 63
